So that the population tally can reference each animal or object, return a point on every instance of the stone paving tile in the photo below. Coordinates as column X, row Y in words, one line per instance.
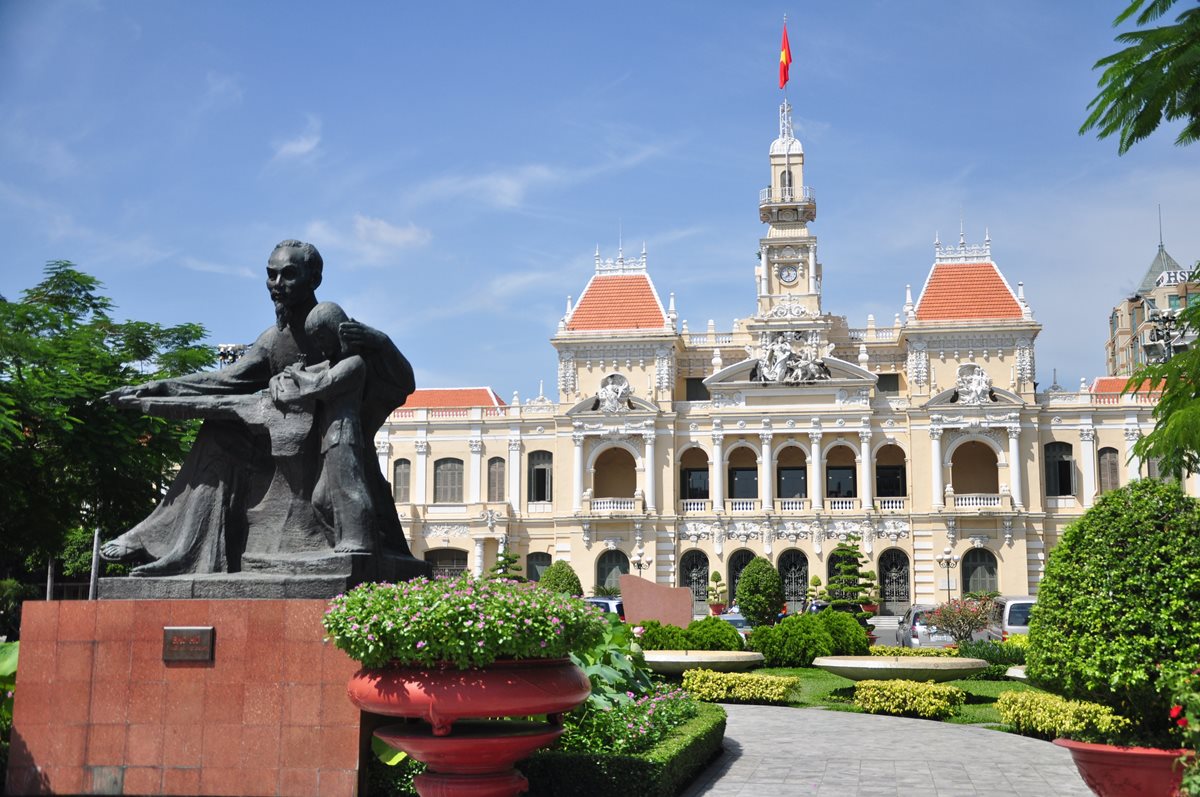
column 788, row 752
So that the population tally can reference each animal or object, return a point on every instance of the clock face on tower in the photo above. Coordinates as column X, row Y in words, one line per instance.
column 788, row 275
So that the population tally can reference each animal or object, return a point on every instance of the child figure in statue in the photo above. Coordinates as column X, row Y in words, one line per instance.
column 341, row 495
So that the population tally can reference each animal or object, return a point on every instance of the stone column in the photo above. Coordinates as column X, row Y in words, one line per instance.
column 1087, row 463
column 816, row 472
column 577, row 473
column 651, row 472
column 514, row 473
column 477, row 565
column 936, row 485
column 383, row 451
column 419, row 496
column 766, row 473
column 866, row 481
column 476, row 472
column 1016, row 474
column 1134, row 463
column 718, row 472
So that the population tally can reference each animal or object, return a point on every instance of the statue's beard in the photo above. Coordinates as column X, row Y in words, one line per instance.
column 283, row 316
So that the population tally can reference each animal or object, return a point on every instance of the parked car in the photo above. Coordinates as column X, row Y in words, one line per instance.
column 740, row 623
column 613, row 605
column 1010, row 616
column 914, row 632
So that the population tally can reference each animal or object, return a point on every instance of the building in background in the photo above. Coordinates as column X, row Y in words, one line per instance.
column 673, row 452
column 1143, row 328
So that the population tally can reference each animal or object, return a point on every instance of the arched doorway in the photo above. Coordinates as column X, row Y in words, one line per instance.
column 616, row 474
column 693, row 574
column 979, row 571
column 447, row 562
column 793, row 571
column 974, row 469
column 737, row 563
column 609, row 568
column 894, row 589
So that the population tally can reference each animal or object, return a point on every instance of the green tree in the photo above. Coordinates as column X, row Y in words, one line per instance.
column 506, row 567
column 849, row 585
column 759, row 592
column 561, row 577
column 1156, row 77
column 69, row 460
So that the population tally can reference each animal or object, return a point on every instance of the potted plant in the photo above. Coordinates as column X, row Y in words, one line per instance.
column 870, row 599
column 1116, row 615
column 452, row 650
column 716, row 594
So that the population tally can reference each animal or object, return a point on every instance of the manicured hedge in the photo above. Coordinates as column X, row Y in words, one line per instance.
column 657, row 636
column 1048, row 716
column 896, row 650
column 908, row 698
column 739, row 687
column 794, row 642
column 662, row 771
column 849, row 638
column 712, row 633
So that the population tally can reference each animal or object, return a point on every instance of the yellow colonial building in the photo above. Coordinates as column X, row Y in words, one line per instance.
column 672, row 452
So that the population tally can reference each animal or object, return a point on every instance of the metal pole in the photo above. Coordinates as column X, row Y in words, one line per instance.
column 94, row 582
column 50, row 579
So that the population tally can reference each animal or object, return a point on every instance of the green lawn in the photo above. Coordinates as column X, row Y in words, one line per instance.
column 819, row 688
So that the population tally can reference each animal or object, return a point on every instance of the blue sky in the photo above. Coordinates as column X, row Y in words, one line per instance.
column 458, row 163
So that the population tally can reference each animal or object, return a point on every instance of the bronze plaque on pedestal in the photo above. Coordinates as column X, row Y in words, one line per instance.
column 188, row 643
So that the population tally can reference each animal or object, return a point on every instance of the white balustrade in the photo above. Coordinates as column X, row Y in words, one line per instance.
column 841, row 504
column 743, row 504
column 540, row 507
column 689, row 505
column 792, row 504
column 890, row 504
column 612, row 504
column 976, row 500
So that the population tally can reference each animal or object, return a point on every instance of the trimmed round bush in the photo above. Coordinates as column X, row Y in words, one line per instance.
column 712, row 633
column 560, row 577
column 849, row 638
column 656, row 636
column 760, row 592
column 1119, row 602
column 794, row 642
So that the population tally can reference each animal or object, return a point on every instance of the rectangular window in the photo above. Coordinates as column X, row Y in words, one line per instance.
column 695, row 389
column 694, row 483
column 743, row 483
column 1174, row 302
column 889, row 481
column 888, row 384
column 541, row 467
column 793, row 483
column 495, row 480
column 448, row 481
column 401, row 476
column 840, row 483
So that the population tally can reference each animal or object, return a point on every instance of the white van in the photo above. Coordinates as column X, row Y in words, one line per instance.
column 1010, row 616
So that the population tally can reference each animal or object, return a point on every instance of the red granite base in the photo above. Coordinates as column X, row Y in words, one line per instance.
column 99, row 712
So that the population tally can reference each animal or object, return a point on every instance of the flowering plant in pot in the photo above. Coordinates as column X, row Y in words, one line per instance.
column 450, row 651
column 1116, row 613
column 716, row 593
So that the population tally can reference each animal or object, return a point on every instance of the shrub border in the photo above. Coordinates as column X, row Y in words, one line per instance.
column 661, row 771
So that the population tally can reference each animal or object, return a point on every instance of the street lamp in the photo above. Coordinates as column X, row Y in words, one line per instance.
column 640, row 562
column 947, row 560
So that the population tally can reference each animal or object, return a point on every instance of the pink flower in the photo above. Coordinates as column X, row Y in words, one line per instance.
column 420, row 645
column 638, row 631
column 1176, row 711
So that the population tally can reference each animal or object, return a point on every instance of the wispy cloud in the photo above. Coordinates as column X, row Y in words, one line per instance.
column 370, row 240
column 220, row 90
column 50, row 155
column 301, row 146
column 217, row 268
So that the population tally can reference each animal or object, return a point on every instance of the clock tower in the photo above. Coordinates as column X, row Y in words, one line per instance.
column 788, row 274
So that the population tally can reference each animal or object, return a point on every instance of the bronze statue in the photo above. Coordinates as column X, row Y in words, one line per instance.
column 266, row 486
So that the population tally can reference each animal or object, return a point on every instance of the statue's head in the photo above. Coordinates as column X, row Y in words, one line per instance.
column 293, row 274
column 322, row 327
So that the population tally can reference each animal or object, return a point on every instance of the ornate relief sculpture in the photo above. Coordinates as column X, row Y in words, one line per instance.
column 614, row 394
column 974, row 386
column 780, row 362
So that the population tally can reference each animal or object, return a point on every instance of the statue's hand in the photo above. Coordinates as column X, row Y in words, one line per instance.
column 282, row 386
column 356, row 335
column 129, row 393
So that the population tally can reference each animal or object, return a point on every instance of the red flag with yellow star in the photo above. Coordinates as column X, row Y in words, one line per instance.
column 785, row 58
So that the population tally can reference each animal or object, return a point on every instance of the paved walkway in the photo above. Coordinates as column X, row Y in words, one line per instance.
column 788, row 752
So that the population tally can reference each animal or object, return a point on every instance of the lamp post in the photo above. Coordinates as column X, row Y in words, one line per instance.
column 947, row 560
column 640, row 562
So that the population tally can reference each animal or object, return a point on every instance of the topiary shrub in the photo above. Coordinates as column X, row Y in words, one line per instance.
column 849, row 638
column 712, row 633
column 896, row 650
column 908, row 698
column 560, row 577
column 849, row 585
column 1047, row 716
column 739, row 687
column 794, row 642
column 760, row 592
column 656, row 636
column 1118, row 603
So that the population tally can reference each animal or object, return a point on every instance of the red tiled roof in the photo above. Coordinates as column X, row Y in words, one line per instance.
column 453, row 397
column 1116, row 384
column 958, row 291
column 618, row 301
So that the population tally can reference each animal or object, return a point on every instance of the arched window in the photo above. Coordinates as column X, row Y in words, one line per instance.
column 615, row 474
column 743, row 473
column 448, row 481
column 737, row 563
column 401, row 476
column 536, row 564
column 785, row 181
column 1110, row 469
column 979, row 571
column 693, row 574
column 1060, row 470
column 890, row 476
column 495, row 477
column 841, row 473
column 974, row 469
column 693, row 475
column 791, row 474
column 541, row 471
column 894, row 582
column 610, row 567
column 447, row 562
column 793, row 571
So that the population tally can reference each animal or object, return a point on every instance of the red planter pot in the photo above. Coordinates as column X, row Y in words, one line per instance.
column 716, row 608
column 471, row 757
column 504, row 689
column 1112, row 771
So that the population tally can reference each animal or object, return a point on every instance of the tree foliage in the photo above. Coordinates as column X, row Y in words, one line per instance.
column 759, row 592
column 849, row 585
column 561, row 577
column 69, row 460
column 1156, row 77
column 1175, row 440
column 1117, row 608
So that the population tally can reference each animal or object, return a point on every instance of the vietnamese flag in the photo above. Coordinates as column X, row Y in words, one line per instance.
column 785, row 58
